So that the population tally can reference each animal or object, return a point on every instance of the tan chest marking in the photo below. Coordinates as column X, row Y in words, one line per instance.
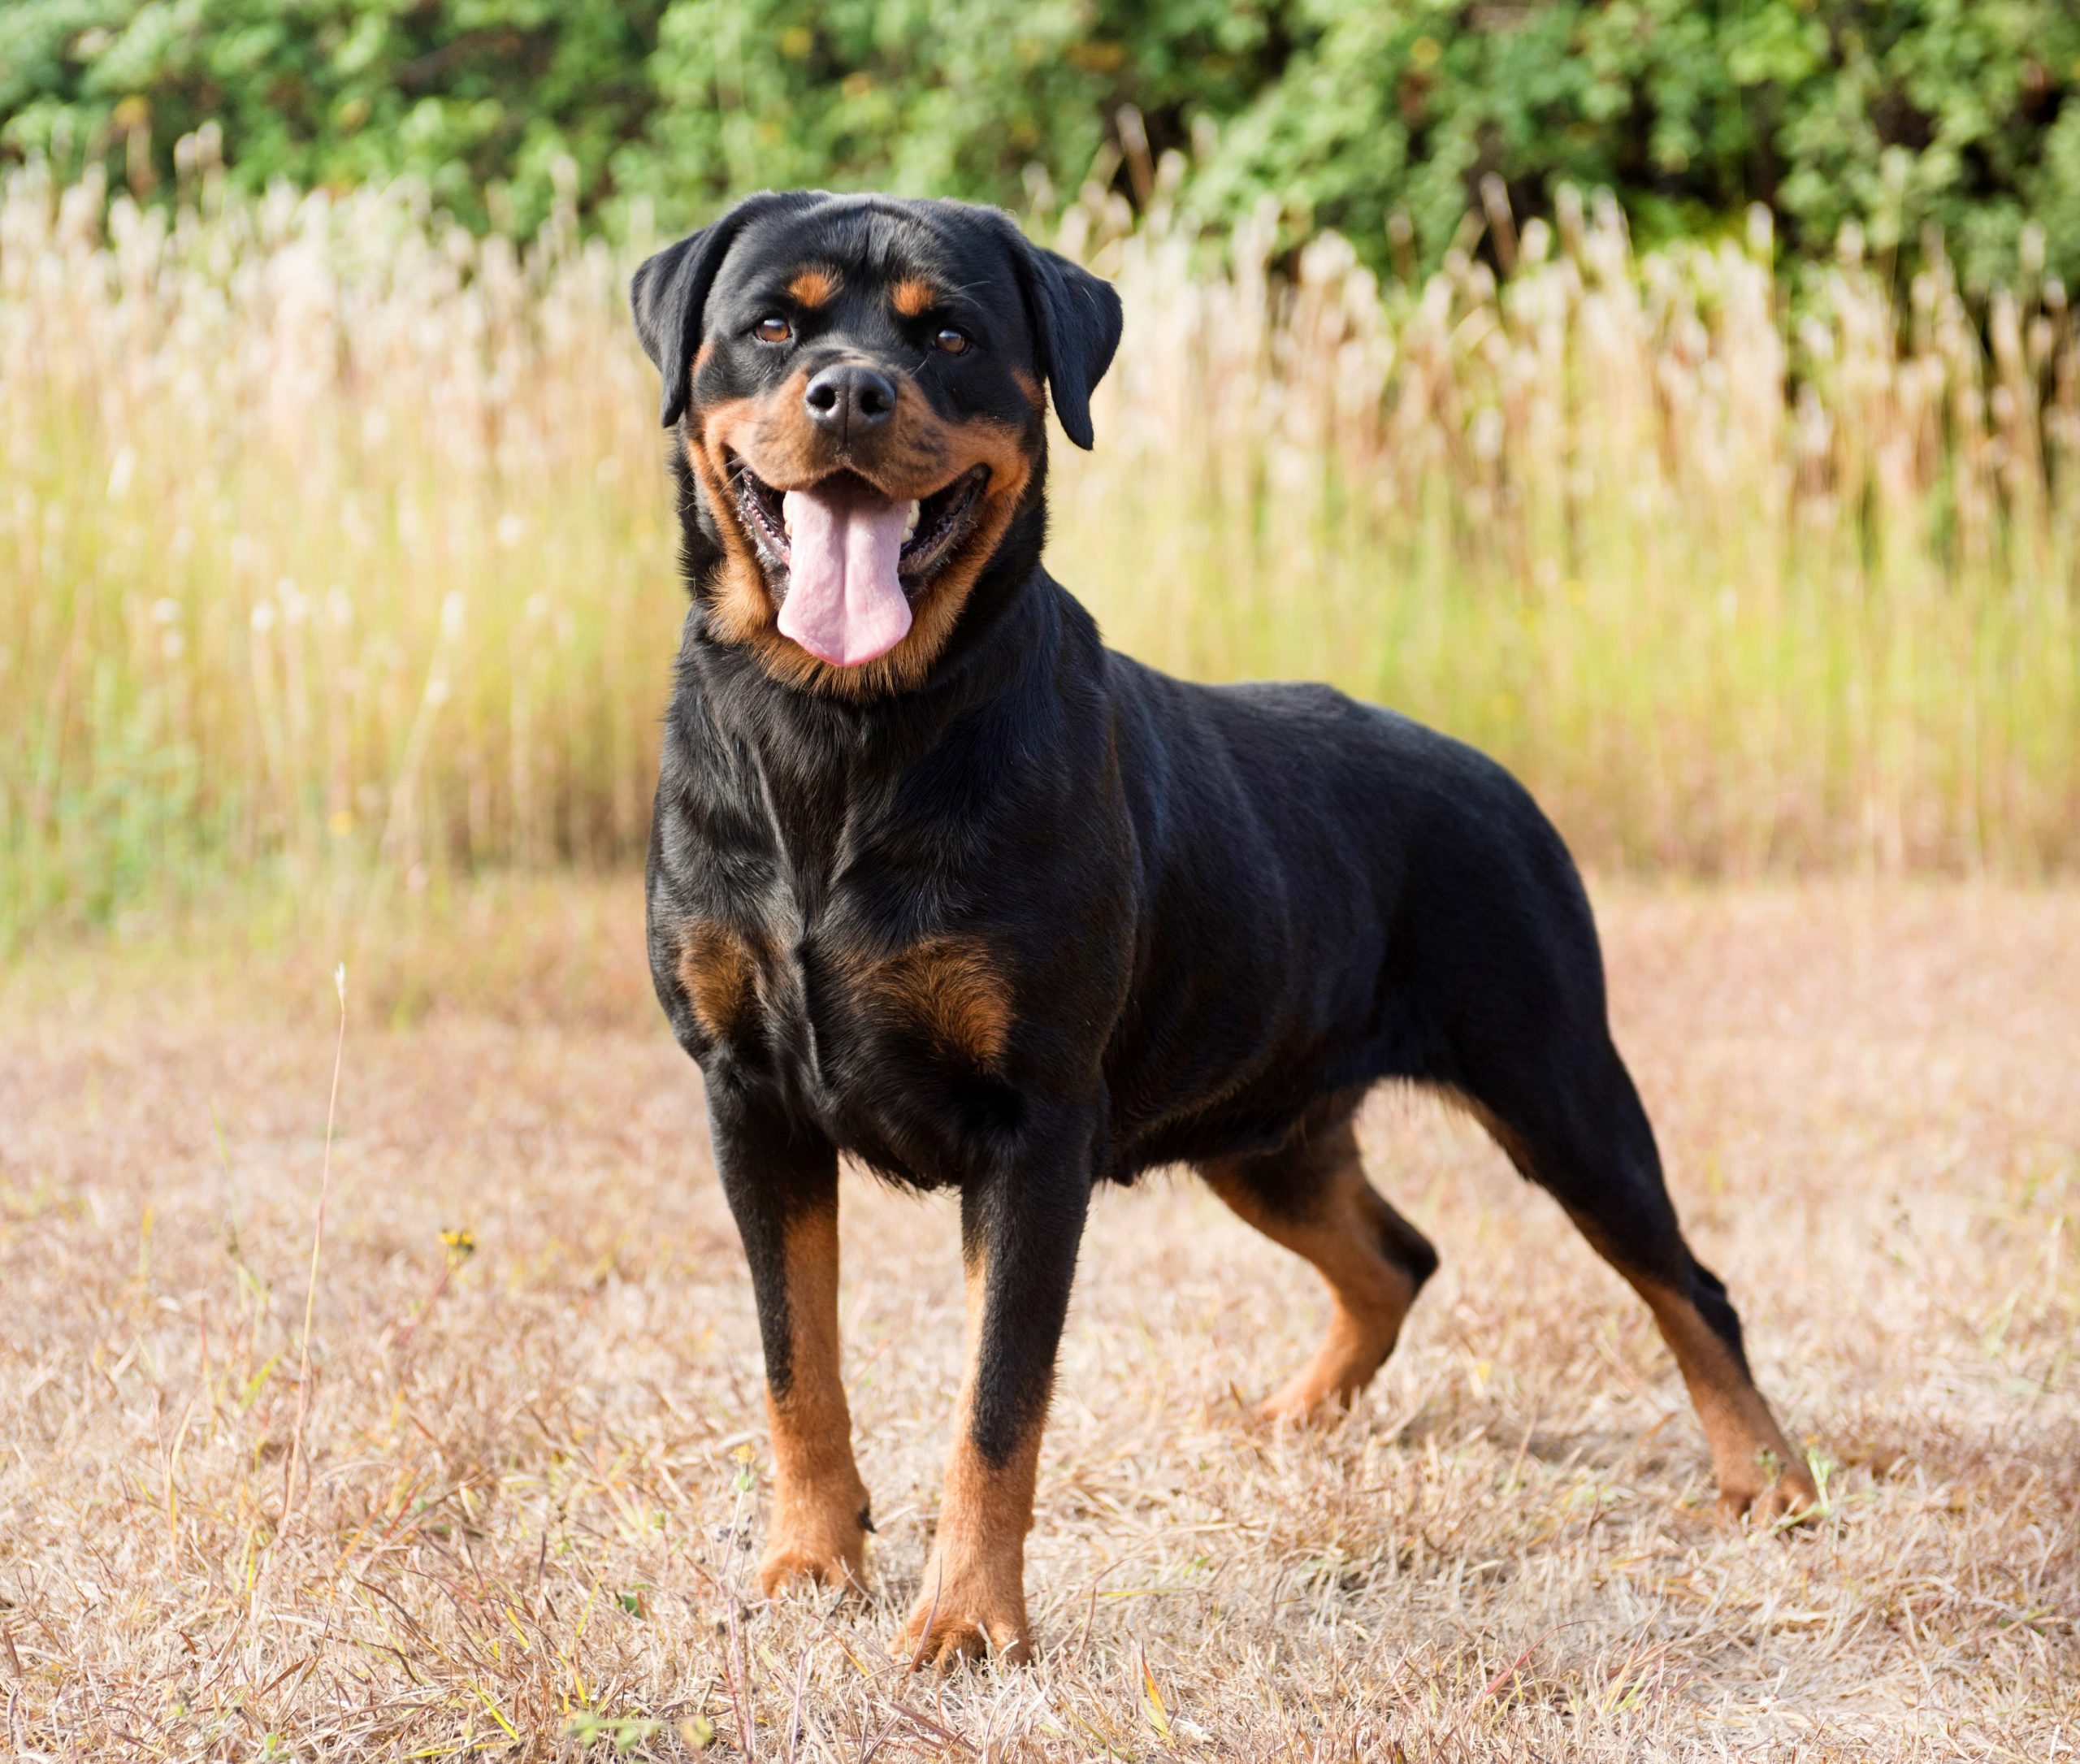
column 716, row 970
column 954, row 988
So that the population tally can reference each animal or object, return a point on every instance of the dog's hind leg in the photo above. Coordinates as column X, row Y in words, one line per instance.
column 1573, row 1123
column 1310, row 1195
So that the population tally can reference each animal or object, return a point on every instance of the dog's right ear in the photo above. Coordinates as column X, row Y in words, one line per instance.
column 671, row 289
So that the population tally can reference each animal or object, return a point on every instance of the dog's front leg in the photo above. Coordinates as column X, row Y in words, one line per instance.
column 781, row 1178
column 1020, row 1228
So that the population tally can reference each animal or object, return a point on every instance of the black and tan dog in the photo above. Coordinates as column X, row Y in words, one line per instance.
column 939, row 880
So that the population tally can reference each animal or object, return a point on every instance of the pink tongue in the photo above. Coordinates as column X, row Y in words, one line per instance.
column 845, row 604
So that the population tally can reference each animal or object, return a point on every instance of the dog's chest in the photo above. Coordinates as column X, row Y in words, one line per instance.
column 799, row 910
column 839, row 1005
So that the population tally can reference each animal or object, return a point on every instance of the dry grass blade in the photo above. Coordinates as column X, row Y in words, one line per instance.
column 317, row 1250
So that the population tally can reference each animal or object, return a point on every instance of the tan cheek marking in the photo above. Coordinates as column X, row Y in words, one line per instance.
column 1030, row 386
column 693, row 368
column 985, row 441
column 773, row 435
column 716, row 970
column 738, row 606
column 917, row 457
column 813, row 286
column 762, row 432
column 953, row 988
column 913, row 297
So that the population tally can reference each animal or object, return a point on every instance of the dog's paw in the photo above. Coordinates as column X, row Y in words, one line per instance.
column 963, row 1621
column 839, row 1560
column 1328, row 1386
column 782, row 1567
column 1307, row 1399
column 1771, row 1500
column 1281, row 1410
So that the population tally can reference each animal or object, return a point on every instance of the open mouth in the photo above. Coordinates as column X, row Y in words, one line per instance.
column 844, row 559
column 933, row 527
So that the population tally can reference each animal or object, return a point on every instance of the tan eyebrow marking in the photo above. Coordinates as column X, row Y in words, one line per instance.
column 912, row 296
column 812, row 287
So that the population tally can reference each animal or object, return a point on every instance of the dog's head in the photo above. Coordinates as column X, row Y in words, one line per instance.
column 858, row 385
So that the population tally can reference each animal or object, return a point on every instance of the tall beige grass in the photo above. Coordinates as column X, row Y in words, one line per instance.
column 332, row 537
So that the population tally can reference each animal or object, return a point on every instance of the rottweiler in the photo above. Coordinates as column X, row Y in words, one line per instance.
column 937, row 880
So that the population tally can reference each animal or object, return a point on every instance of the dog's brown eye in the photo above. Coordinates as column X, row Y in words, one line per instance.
column 952, row 342
column 773, row 328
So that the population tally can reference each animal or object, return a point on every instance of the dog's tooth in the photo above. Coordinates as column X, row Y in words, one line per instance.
column 910, row 525
column 787, row 525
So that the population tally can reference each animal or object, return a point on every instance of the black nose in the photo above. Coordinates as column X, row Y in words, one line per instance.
column 849, row 398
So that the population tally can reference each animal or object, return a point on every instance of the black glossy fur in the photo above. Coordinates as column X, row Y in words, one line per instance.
column 1213, row 917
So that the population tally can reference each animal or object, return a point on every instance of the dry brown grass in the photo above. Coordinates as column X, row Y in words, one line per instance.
column 531, row 1483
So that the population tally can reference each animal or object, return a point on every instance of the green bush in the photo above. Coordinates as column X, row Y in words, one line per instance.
column 480, row 98
column 1895, row 113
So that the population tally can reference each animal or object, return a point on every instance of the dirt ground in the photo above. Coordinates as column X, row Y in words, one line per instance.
column 533, row 1477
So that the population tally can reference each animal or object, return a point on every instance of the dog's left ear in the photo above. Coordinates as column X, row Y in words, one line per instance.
column 1076, row 319
column 670, row 291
